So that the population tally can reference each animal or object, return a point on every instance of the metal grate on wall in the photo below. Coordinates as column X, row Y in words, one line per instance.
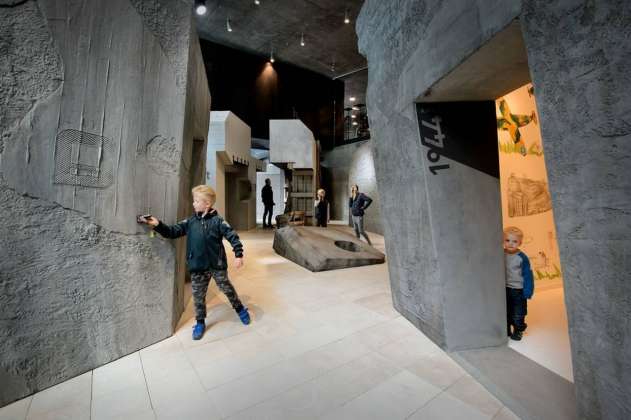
column 83, row 159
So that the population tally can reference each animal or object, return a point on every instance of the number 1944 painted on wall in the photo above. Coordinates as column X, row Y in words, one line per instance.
column 434, row 144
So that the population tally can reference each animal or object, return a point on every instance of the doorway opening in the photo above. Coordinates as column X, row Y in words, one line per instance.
column 527, row 205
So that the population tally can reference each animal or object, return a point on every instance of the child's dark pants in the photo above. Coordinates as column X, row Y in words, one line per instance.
column 199, row 283
column 516, row 309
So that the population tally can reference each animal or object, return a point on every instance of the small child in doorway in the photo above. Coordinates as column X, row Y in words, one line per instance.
column 519, row 282
column 205, row 254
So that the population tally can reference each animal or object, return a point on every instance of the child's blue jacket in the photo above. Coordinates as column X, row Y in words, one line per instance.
column 526, row 272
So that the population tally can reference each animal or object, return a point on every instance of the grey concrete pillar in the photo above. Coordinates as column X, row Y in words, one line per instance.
column 580, row 61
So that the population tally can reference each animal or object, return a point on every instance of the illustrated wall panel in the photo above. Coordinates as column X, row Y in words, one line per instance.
column 526, row 201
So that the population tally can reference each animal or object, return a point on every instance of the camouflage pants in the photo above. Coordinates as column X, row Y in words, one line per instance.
column 199, row 283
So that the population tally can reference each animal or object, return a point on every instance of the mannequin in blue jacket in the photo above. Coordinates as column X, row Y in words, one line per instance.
column 519, row 282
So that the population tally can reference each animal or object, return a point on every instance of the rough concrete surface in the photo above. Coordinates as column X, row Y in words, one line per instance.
column 30, row 65
column 74, row 295
column 579, row 59
column 82, row 283
column 321, row 249
column 348, row 165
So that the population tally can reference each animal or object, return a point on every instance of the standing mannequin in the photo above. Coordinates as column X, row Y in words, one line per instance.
column 358, row 203
column 268, row 201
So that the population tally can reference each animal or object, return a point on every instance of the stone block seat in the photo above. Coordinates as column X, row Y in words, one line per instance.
column 321, row 249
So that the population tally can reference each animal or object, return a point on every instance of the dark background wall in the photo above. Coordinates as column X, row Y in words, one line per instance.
column 257, row 91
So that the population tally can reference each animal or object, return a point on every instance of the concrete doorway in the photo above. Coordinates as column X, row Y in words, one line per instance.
column 459, row 119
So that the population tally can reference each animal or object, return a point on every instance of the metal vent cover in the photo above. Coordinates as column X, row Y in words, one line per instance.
column 83, row 159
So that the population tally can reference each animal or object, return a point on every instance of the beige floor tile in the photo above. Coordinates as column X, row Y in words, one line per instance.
column 68, row 398
column 215, row 372
column 168, row 345
column 123, row 403
column 123, row 373
column 396, row 398
column 157, row 366
column 249, row 340
column 273, row 380
column 303, row 342
column 275, row 328
column 195, row 407
column 69, row 412
column 444, row 406
column 438, row 369
column 313, row 398
column 174, row 389
column 469, row 391
column 16, row 410
column 207, row 353
column 406, row 351
column 505, row 414
column 383, row 333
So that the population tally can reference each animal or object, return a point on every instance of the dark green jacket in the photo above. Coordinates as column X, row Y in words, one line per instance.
column 204, row 247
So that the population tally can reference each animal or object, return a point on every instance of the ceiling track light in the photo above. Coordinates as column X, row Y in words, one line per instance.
column 346, row 18
column 228, row 27
column 271, row 56
column 200, row 7
column 302, row 39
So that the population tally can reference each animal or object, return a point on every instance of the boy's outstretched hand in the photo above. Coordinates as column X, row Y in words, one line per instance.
column 238, row 262
column 150, row 220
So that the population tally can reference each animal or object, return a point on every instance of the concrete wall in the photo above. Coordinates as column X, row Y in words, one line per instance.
column 292, row 142
column 82, row 283
column 579, row 62
column 229, row 167
column 348, row 165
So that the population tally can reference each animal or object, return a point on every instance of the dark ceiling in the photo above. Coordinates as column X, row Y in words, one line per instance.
column 330, row 44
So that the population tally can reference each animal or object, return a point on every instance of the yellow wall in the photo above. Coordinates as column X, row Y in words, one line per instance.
column 524, row 182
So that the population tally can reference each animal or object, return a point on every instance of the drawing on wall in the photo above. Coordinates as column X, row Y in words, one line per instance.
column 511, row 123
column 527, row 197
column 162, row 155
column 83, row 159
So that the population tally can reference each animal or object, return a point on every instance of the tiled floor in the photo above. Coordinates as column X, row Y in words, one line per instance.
column 322, row 345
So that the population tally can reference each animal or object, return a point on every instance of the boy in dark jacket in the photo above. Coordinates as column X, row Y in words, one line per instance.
column 519, row 282
column 205, row 254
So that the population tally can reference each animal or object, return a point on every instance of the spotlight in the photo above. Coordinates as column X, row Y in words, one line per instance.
column 257, row 2
column 346, row 18
column 353, row 116
column 200, row 7
column 354, row 122
column 271, row 57
column 302, row 40
column 228, row 27
column 352, row 99
column 355, row 108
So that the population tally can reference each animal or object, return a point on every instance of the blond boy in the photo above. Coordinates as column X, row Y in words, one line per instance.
column 519, row 282
column 205, row 254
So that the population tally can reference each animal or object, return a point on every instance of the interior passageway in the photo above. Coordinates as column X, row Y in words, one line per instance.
column 321, row 345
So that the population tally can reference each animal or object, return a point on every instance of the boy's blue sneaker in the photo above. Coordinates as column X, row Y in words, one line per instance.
column 244, row 315
column 198, row 330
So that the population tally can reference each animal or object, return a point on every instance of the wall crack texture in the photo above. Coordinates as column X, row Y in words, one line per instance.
column 170, row 22
column 86, row 297
column 31, row 68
